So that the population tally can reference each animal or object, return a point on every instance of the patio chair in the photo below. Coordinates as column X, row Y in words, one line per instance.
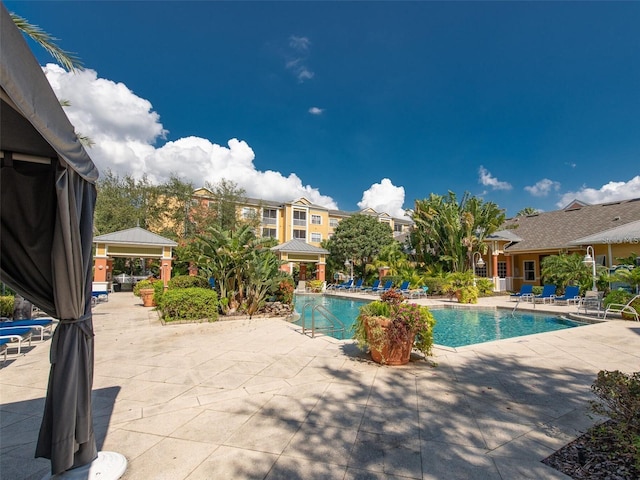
column 40, row 324
column 591, row 302
column 623, row 308
column 387, row 286
column 345, row 286
column 15, row 335
column 356, row 287
column 526, row 290
column 333, row 286
column 375, row 285
column 571, row 295
column 548, row 294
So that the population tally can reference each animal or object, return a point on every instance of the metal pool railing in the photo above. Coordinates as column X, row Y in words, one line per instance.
column 334, row 327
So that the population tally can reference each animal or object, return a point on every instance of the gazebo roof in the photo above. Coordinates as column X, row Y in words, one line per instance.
column 299, row 246
column 135, row 236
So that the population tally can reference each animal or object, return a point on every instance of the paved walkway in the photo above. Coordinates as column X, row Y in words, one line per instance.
column 255, row 399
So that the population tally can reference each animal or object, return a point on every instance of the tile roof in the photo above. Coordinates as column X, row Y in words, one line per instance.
column 561, row 228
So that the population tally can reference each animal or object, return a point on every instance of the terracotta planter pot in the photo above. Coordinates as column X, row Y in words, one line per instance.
column 387, row 354
column 146, row 294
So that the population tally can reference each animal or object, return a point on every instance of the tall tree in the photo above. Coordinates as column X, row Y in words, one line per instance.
column 359, row 238
column 227, row 195
column 449, row 232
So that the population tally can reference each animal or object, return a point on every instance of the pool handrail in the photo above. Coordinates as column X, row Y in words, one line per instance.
column 326, row 314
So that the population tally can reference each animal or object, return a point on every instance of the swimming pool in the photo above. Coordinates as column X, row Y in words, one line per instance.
column 455, row 327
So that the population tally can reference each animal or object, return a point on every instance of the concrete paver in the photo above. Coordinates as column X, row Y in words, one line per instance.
column 256, row 399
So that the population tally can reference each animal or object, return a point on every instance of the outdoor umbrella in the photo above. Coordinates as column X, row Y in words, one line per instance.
column 47, row 202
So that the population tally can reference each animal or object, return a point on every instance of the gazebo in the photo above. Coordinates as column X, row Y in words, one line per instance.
column 298, row 251
column 132, row 243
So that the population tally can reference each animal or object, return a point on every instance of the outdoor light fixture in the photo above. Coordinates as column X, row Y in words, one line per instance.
column 590, row 258
column 349, row 263
column 480, row 263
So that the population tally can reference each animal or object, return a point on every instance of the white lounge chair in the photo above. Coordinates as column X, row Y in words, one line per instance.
column 623, row 308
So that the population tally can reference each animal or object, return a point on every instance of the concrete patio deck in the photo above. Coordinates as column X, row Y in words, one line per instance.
column 256, row 399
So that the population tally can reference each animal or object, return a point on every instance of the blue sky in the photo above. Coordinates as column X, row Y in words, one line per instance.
column 356, row 104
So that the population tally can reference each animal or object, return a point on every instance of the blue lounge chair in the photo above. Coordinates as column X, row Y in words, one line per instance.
column 571, row 295
column 387, row 286
column 404, row 288
column 40, row 324
column 525, row 291
column 375, row 285
column 345, row 286
column 356, row 287
column 548, row 294
column 15, row 335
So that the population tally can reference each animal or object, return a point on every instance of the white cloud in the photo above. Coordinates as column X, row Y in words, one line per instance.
column 488, row 180
column 543, row 187
column 125, row 128
column 299, row 43
column 610, row 192
column 384, row 197
column 316, row 111
column 297, row 58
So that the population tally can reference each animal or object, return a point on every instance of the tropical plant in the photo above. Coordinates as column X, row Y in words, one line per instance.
column 527, row 211
column 388, row 325
column 450, row 232
column 563, row 270
column 263, row 275
column 460, row 285
column 631, row 277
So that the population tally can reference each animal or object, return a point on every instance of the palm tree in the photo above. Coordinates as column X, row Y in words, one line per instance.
column 67, row 59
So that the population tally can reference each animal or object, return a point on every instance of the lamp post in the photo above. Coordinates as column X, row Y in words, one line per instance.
column 590, row 258
column 473, row 263
column 349, row 264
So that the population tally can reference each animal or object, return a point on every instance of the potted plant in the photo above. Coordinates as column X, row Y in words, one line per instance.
column 391, row 329
column 144, row 290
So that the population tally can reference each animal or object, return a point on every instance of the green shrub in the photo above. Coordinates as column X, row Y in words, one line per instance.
column 143, row 284
column 188, row 281
column 537, row 290
column 434, row 284
column 188, row 304
column 617, row 296
column 315, row 285
column 468, row 294
column 485, row 286
column 6, row 306
column 619, row 399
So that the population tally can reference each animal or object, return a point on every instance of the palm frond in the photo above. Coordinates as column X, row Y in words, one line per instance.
column 67, row 59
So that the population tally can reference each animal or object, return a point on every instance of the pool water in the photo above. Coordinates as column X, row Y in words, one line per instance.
column 455, row 327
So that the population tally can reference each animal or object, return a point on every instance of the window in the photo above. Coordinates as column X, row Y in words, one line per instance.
column 316, row 237
column 269, row 233
column 502, row 269
column 300, row 218
column 481, row 271
column 300, row 234
column 397, row 227
column 269, row 216
column 333, row 222
column 316, row 219
column 529, row 270
column 248, row 212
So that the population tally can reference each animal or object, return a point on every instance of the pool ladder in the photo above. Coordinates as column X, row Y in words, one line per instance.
column 336, row 326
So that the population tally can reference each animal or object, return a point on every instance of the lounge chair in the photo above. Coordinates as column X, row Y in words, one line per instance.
column 623, row 308
column 547, row 295
column 356, row 287
column 15, row 335
column 40, row 324
column 333, row 286
column 345, row 286
column 571, row 295
column 387, row 286
column 375, row 286
column 526, row 290
column 592, row 301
